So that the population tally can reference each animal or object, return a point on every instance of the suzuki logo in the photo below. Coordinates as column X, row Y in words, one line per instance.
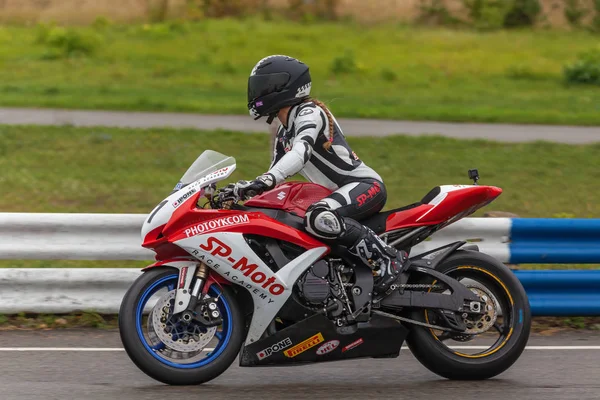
column 281, row 195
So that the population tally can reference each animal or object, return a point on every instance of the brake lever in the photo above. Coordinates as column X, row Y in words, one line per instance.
column 221, row 200
column 210, row 190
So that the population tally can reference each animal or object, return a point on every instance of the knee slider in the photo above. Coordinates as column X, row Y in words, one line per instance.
column 323, row 222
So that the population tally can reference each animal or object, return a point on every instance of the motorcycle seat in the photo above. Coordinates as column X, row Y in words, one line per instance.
column 377, row 222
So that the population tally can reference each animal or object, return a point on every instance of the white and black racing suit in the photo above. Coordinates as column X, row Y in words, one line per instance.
column 359, row 191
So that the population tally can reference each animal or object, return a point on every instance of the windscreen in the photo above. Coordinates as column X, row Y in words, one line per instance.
column 208, row 162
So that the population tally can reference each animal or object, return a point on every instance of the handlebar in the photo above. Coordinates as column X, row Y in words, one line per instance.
column 224, row 198
column 218, row 200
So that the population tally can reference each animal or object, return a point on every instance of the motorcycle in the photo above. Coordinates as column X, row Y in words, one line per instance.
column 246, row 279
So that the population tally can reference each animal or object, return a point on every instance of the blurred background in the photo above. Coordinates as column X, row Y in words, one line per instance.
column 424, row 89
column 528, row 62
column 535, row 63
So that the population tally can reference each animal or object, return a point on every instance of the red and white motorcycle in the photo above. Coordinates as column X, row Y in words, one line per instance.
column 247, row 279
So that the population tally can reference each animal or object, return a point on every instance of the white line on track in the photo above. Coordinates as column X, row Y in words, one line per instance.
column 90, row 349
column 109, row 349
column 531, row 347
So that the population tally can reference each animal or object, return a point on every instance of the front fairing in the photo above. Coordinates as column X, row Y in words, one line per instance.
column 163, row 212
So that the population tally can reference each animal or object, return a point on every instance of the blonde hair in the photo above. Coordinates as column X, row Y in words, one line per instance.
column 326, row 145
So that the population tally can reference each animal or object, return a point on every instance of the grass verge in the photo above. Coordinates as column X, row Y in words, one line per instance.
column 68, row 169
column 385, row 71
column 87, row 319
column 90, row 319
column 104, row 170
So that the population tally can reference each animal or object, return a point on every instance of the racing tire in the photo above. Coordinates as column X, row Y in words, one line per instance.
column 168, row 372
column 451, row 364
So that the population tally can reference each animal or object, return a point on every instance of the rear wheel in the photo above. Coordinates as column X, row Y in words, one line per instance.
column 166, row 348
column 493, row 341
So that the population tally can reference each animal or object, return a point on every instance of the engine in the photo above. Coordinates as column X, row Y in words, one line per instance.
column 323, row 286
column 313, row 286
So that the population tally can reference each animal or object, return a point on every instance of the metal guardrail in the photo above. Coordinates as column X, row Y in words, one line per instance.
column 562, row 293
column 63, row 290
column 33, row 236
column 555, row 241
column 117, row 237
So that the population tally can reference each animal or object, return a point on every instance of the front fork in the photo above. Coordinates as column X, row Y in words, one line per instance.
column 191, row 303
column 201, row 275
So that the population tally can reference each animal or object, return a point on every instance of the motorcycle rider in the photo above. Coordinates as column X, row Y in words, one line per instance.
column 309, row 141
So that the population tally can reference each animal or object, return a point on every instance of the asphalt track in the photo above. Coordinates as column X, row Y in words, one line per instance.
column 95, row 367
column 351, row 127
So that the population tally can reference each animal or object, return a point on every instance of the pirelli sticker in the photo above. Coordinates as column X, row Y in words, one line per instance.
column 302, row 347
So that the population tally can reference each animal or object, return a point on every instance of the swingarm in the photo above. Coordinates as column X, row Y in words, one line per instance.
column 460, row 299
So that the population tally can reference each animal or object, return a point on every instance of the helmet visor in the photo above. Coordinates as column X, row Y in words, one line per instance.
column 261, row 85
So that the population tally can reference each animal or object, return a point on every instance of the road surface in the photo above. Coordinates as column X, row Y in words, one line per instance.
column 351, row 127
column 97, row 368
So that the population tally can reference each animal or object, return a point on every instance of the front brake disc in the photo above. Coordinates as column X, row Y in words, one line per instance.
column 173, row 333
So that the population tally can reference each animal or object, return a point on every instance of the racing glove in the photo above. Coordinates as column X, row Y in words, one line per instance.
column 244, row 190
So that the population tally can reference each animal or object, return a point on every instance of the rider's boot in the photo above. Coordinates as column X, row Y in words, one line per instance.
column 386, row 262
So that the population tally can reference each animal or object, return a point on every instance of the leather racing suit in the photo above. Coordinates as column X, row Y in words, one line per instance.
column 358, row 191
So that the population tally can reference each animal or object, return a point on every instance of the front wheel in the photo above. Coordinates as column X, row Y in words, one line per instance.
column 492, row 342
column 166, row 348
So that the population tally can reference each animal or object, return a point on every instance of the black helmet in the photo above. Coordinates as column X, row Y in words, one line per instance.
column 276, row 82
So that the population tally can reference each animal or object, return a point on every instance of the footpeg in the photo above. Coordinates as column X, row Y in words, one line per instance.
column 386, row 283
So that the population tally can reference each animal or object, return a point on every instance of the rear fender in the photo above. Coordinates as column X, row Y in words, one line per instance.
column 432, row 258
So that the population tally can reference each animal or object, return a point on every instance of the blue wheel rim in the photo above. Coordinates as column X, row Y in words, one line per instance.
column 224, row 336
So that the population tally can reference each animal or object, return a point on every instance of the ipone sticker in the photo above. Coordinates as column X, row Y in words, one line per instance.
column 275, row 348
